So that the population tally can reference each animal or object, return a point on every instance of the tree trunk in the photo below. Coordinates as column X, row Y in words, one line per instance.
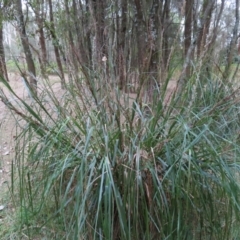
column 140, row 35
column 71, row 58
column 189, row 46
column 55, row 43
column 24, row 40
column 82, row 28
column 121, row 61
column 100, row 43
column 206, row 15
column 166, row 22
column 188, row 35
column 215, row 30
column 39, row 12
column 232, row 43
column 3, row 68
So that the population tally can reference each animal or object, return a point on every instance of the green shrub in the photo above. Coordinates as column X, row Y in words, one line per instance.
column 94, row 165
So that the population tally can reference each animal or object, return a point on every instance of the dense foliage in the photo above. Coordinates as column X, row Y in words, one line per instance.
column 142, row 141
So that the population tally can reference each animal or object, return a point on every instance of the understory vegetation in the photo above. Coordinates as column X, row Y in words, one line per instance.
column 142, row 139
column 103, row 164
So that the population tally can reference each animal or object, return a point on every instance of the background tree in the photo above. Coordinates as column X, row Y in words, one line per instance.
column 3, row 68
column 55, row 42
column 233, row 41
column 31, row 73
column 137, row 38
column 38, row 7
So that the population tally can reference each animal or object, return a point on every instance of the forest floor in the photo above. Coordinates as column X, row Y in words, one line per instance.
column 8, row 137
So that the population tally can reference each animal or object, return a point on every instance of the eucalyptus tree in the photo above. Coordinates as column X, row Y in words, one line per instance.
column 132, row 37
column 30, row 75
column 134, row 45
column 55, row 41
column 3, row 69
column 39, row 8
column 233, row 41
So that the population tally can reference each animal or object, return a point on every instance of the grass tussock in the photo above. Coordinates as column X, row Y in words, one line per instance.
column 100, row 164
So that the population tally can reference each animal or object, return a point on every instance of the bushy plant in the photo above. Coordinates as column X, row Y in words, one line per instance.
column 103, row 165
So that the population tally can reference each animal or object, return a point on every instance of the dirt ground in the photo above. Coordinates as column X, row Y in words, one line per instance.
column 7, row 135
column 8, row 131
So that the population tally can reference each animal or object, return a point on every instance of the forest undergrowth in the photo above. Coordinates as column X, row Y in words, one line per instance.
column 88, row 165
